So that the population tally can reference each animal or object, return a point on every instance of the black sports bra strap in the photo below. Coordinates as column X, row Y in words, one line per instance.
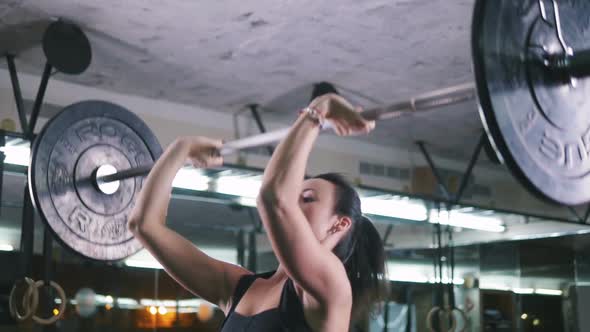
column 241, row 287
column 291, row 306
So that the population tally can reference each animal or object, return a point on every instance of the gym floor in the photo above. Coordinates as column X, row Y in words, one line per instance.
column 464, row 221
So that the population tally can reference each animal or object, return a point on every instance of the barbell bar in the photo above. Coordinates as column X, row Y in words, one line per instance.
column 421, row 103
column 576, row 65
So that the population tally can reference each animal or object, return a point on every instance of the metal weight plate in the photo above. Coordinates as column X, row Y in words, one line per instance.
column 67, row 48
column 539, row 122
column 67, row 151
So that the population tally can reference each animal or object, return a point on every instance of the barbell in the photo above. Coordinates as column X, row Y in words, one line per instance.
column 531, row 69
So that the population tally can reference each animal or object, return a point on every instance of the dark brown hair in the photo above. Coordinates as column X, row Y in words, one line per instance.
column 360, row 250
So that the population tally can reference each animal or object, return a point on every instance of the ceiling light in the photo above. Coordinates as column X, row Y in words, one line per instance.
column 409, row 277
column 523, row 290
column 245, row 186
column 446, row 280
column 127, row 303
column 143, row 264
column 153, row 302
column 415, row 273
column 143, row 258
column 467, row 220
column 6, row 247
column 542, row 291
column 247, row 201
column 162, row 310
column 16, row 155
column 190, row 302
column 394, row 207
column 153, row 310
column 497, row 287
column 191, row 178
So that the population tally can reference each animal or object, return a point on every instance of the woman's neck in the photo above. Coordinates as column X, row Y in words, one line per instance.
column 280, row 274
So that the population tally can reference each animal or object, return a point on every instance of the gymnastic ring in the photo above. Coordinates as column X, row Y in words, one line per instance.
column 29, row 303
column 464, row 317
column 429, row 317
column 62, row 305
column 449, row 313
column 445, row 312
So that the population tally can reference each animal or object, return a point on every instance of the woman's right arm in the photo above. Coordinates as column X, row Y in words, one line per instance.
column 211, row 279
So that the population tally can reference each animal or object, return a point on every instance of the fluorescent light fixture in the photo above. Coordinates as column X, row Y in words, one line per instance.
column 192, row 302
column 496, row 287
column 395, row 207
column 445, row 280
column 168, row 303
column 542, row 291
column 409, row 277
column 422, row 279
column 16, row 155
column 102, row 299
column 145, row 264
column 6, row 247
column 245, row 186
column 153, row 302
column 147, row 302
column 415, row 273
column 122, row 302
column 191, row 178
column 523, row 290
column 247, row 201
column 143, row 258
column 467, row 220
column 127, row 302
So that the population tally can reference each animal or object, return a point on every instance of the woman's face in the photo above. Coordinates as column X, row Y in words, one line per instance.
column 317, row 201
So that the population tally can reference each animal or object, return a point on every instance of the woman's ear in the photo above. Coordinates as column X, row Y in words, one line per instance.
column 338, row 230
column 342, row 225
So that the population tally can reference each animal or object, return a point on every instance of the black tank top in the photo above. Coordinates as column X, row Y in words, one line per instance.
column 288, row 317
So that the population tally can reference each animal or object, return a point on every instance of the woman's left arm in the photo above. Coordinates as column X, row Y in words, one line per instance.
column 306, row 261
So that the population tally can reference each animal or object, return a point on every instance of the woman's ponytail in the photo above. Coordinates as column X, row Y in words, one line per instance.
column 360, row 250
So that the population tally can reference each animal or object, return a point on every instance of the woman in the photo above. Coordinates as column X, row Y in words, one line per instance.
column 331, row 261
